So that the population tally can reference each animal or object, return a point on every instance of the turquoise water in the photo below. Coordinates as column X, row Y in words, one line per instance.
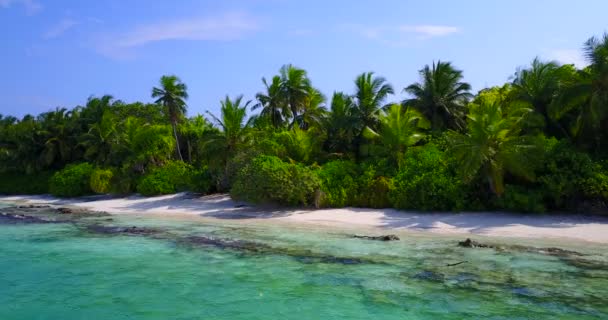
column 61, row 271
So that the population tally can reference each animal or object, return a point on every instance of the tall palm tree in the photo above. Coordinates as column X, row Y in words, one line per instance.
column 399, row 128
column 340, row 124
column 172, row 95
column 313, row 109
column 587, row 95
column 371, row 93
column 295, row 87
column 272, row 102
column 233, row 135
column 538, row 86
column 440, row 95
column 493, row 144
column 99, row 139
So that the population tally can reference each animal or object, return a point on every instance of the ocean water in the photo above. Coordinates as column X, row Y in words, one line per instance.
column 64, row 271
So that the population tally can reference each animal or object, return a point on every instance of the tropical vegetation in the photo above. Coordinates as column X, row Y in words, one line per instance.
column 537, row 143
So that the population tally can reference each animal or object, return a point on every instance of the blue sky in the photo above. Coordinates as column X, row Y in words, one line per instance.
column 57, row 53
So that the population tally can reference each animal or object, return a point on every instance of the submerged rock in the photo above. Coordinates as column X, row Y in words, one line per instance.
column 11, row 218
column 133, row 230
column 468, row 243
column 429, row 276
column 552, row 251
column 388, row 237
column 303, row 256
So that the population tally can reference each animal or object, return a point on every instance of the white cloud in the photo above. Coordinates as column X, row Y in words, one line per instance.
column 31, row 6
column 401, row 34
column 60, row 28
column 226, row 27
column 569, row 56
column 429, row 31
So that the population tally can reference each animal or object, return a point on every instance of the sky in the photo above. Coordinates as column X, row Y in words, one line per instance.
column 58, row 53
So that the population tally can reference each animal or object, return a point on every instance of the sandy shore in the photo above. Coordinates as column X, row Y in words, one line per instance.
column 575, row 227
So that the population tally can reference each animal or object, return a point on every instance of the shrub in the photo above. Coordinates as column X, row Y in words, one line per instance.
column 267, row 179
column 21, row 183
column 373, row 187
column 72, row 181
column 425, row 182
column 175, row 176
column 338, row 183
column 101, row 180
column 568, row 176
column 521, row 199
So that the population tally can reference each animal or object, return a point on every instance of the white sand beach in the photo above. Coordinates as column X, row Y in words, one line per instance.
column 548, row 226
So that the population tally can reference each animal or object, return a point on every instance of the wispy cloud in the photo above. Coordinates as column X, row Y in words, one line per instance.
column 60, row 28
column 569, row 56
column 401, row 34
column 226, row 27
column 31, row 6
column 430, row 31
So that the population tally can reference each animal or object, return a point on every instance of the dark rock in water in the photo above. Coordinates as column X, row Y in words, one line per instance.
column 429, row 276
column 10, row 218
column 389, row 237
column 34, row 206
column 303, row 256
column 240, row 245
column 468, row 243
column 65, row 210
column 134, row 231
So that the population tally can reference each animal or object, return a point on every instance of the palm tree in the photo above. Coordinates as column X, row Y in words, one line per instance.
column 440, row 95
column 194, row 131
column 294, row 89
column 57, row 128
column 313, row 109
column 399, row 129
column 233, row 135
column 493, row 144
column 538, row 86
column 99, row 139
column 587, row 95
column 370, row 97
column 272, row 102
column 340, row 124
column 172, row 95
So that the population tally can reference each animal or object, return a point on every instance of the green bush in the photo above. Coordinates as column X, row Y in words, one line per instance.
column 101, row 180
column 373, row 187
column 72, row 181
column 425, row 182
column 21, row 183
column 521, row 199
column 175, row 176
column 569, row 177
column 267, row 179
column 338, row 183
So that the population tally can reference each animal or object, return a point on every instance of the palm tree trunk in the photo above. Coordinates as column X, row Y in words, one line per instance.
column 179, row 152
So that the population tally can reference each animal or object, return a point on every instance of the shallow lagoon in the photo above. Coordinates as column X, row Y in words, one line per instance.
column 63, row 271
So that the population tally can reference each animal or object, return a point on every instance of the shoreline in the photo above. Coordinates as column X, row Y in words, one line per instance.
column 560, row 227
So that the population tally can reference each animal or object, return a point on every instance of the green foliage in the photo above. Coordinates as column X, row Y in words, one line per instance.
column 373, row 188
column 494, row 144
column 338, row 183
column 267, row 179
column 72, row 181
column 175, row 176
column 101, row 180
column 569, row 176
column 521, row 199
column 21, row 183
column 425, row 182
